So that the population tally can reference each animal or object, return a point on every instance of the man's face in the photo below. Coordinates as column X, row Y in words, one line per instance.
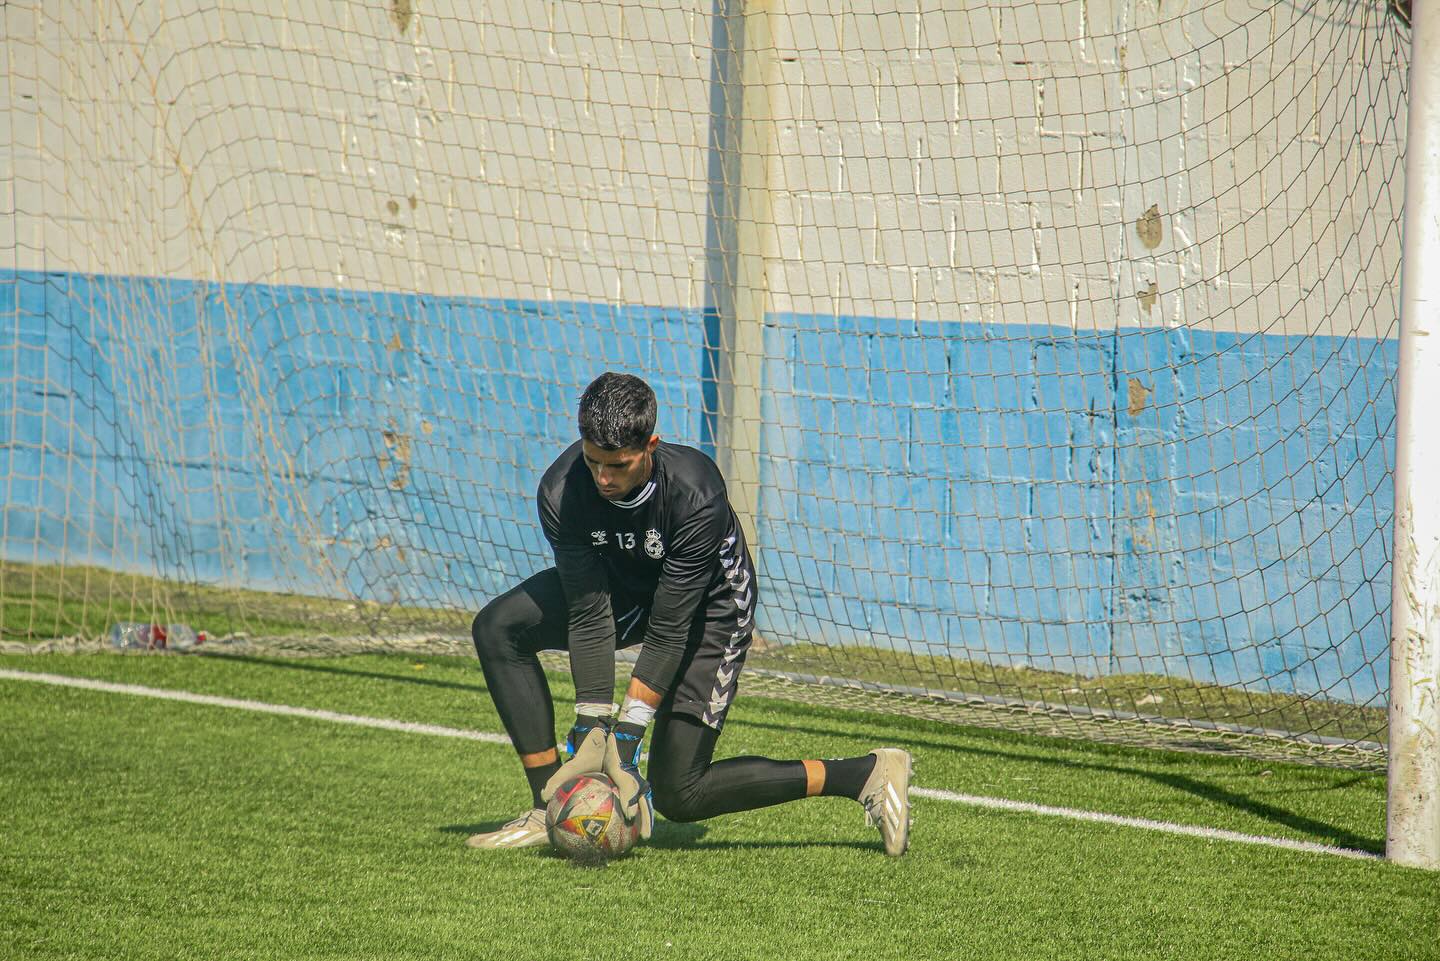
column 618, row 472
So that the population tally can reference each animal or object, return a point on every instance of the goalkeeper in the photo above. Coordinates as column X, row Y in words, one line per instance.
column 648, row 551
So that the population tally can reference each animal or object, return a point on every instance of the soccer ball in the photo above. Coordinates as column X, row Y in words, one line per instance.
column 585, row 822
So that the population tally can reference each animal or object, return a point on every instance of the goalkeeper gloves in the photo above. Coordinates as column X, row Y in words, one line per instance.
column 586, row 744
column 597, row 745
column 622, row 766
column 584, row 724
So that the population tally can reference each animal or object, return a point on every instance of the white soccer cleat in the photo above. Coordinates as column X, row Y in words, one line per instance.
column 886, row 796
column 526, row 831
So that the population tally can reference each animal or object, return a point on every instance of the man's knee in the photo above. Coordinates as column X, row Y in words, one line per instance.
column 490, row 630
column 677, row 801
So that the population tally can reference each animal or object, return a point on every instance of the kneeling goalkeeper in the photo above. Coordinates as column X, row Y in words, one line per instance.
column 648, row 551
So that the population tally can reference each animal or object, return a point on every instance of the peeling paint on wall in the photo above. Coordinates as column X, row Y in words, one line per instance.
column 402, row 12
column 1147, row 296
column 1139, row 396
column 1148, row 227
column 1147, row 537
column 398, row 452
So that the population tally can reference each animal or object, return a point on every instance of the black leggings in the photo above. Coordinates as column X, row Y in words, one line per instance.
column 689, row 786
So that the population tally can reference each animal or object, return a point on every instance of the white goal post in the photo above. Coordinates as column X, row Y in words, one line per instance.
column 1413, row 812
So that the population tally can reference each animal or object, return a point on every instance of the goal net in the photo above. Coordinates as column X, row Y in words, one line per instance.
column 1048, row 347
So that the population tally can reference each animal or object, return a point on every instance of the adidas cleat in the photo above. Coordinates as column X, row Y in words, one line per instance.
column 526, row 831
column 886, row 797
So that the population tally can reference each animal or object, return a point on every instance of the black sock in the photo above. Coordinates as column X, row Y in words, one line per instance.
column 627, row 742
column 537, row 776
column 846, row 777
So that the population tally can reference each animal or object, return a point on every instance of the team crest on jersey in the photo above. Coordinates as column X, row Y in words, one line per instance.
column 653, row 547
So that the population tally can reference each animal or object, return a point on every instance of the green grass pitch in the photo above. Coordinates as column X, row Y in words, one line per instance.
column 140, row 828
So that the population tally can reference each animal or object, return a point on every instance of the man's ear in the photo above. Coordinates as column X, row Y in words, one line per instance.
column 652, row 443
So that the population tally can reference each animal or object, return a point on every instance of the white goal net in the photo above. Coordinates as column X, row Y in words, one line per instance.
column 1049, row 346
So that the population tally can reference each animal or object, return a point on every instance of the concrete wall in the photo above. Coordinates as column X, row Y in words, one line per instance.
column 381, row 445
column 1074, row 320
column 510, row 149
column 1229, row 166
column 1091, row 305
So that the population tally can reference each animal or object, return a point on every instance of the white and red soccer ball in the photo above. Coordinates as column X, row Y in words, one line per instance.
column 585, row 821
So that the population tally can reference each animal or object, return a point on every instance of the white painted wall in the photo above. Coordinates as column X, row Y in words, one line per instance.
column 932, row 159
column 516, row 149
column 996, row 161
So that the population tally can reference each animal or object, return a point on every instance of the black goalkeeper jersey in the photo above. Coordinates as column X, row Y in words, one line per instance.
column 674, row 548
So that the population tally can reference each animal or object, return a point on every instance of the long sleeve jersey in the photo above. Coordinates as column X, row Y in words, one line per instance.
column 673, row 548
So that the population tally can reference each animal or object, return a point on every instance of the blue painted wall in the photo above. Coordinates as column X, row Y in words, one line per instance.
column 1180, row 502
column 315, row 440
column 1212, row 506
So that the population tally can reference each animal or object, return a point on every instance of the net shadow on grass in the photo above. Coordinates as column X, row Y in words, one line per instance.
column 304, row 665
column 1195, row 787
column 974, row 710
column 1069, row 722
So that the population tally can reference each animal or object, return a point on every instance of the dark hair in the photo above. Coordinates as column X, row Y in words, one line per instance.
column 617, row 411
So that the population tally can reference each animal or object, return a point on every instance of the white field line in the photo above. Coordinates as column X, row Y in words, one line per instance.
column 409, row 727
column 384, row 724
column 1213, row 834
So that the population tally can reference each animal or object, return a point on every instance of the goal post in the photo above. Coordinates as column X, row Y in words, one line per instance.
column 1413, row 810
column 742, row 148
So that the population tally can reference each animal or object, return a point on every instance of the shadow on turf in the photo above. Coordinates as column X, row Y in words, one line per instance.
column 477, row 688
column 1196, row 787
column 668, row 834
column 677, row 836
column 766, row 845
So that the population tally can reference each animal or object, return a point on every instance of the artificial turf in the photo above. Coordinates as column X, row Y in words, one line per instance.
column 139, row 828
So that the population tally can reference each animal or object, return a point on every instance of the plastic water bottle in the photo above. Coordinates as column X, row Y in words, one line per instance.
column 137, row 636
column 130, row 636
column 182, row 637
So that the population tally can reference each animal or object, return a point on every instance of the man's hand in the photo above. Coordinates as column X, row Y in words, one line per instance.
column 586, row 745
column 622, row 765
